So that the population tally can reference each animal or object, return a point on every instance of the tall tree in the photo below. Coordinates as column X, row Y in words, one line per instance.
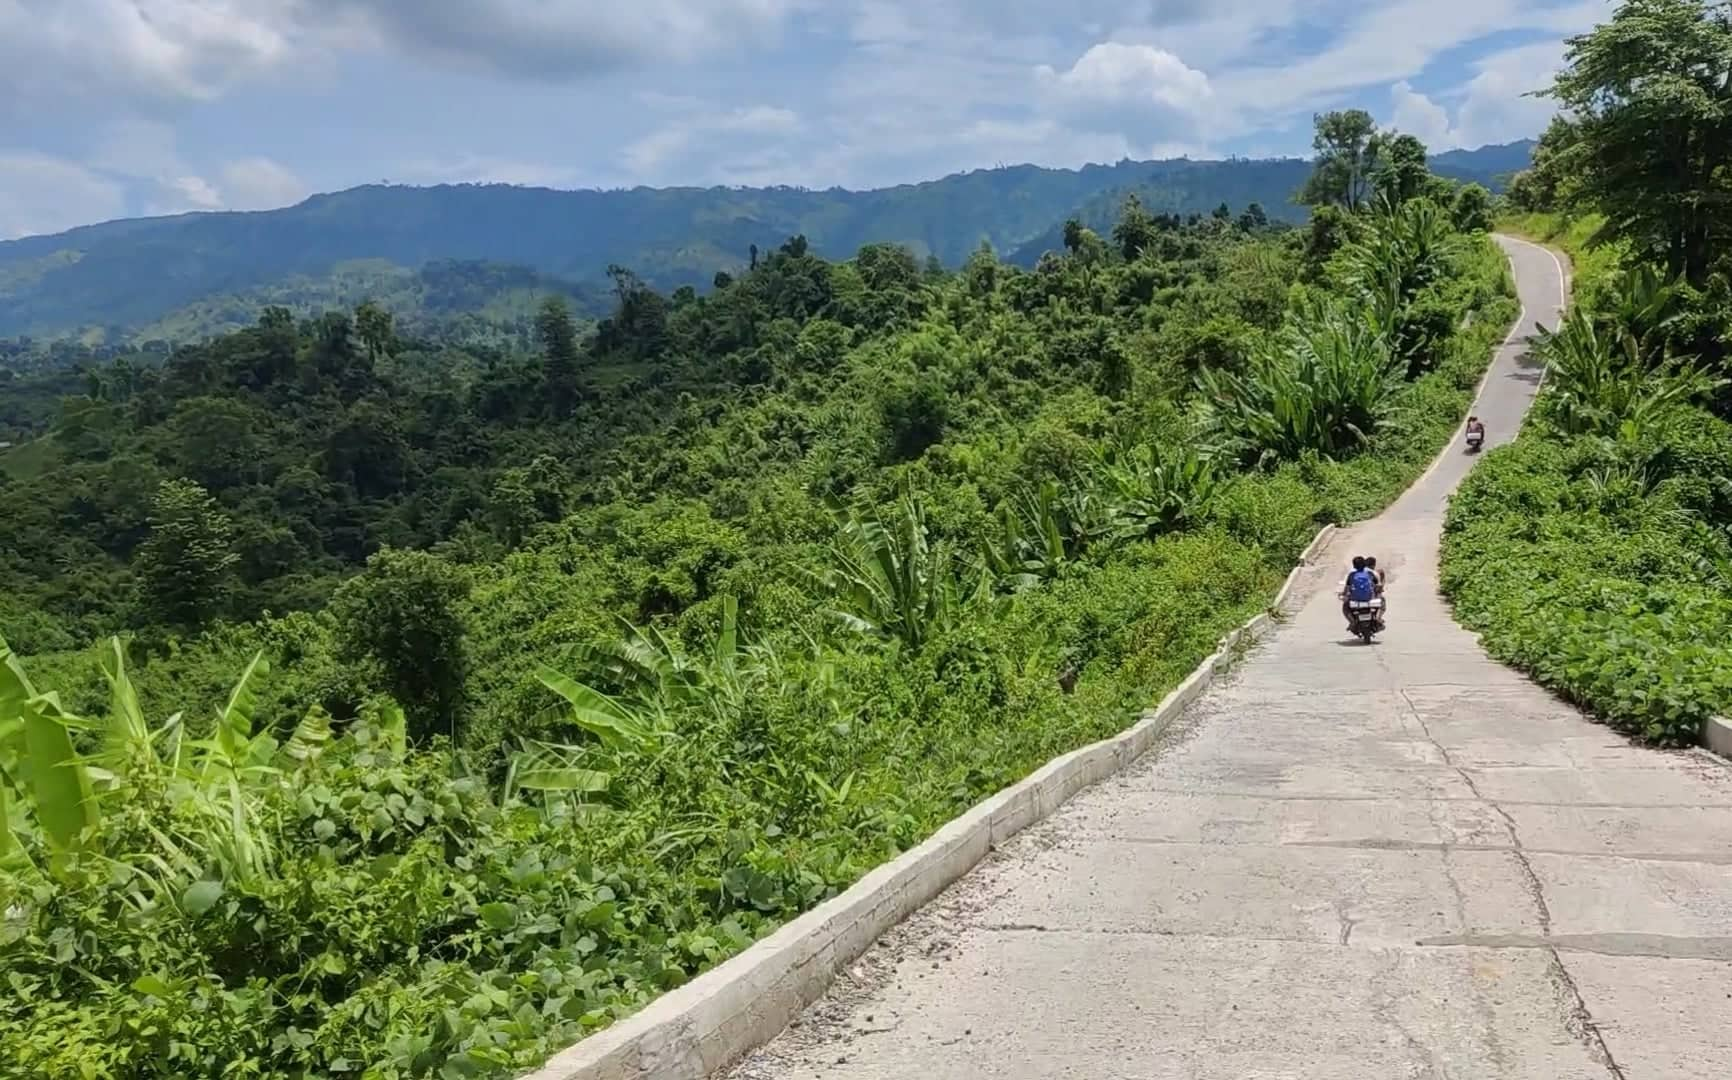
column 376, row 329
column 400, row 615
column 1073, row 230
column 185, row 564
column 1348, row 146
column 1650, row 92
column 1546, row 184
column 1402, row 172
column 1471, row 210
column 557, row 335
column 1133, row 234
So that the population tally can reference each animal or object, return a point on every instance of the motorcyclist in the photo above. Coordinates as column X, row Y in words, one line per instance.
column 1359, row 584
column 1371, row 565
column 1475, row 430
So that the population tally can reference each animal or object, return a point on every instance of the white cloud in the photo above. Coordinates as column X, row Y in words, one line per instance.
column 545, row 38
column 1419, row 116
column 760, row 120
column 258, row 183
column 44, row 194
column 1493, row 106
column 887, row 91
column 702, row 146
column 1390, row 42
column 150, row 49
column 55, row 53
column 1496, row 108
column 1131, row 77
column 192, row 193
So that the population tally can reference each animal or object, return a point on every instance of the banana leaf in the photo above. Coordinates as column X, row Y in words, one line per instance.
column 58, row 779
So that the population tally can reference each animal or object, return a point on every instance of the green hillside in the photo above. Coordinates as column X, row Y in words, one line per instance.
column 193, row 275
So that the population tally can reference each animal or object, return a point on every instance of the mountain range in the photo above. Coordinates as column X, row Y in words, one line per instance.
column 432, row 254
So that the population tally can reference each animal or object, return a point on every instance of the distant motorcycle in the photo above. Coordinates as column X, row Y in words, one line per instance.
column 1475, row 439
column 1367, row 616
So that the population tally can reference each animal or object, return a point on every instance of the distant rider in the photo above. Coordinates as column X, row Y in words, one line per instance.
column 1371, row 565
column 1475, row 428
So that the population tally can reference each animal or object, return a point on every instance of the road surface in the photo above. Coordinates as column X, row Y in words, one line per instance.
column 1361, row 862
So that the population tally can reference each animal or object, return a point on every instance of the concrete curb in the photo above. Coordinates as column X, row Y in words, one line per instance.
column 1717, row 736
column 712, row 1021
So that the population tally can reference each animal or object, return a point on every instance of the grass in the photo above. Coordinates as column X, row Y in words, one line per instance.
column 1590, row 263
column 27, row 461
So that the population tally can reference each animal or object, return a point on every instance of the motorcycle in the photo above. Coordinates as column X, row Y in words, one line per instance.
column 1367, row 616
column 1475, row 440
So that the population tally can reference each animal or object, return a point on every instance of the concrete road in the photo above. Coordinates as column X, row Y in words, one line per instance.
column 1361, row 862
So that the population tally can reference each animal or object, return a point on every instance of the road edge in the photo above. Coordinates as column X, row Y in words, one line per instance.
column 712, row 1021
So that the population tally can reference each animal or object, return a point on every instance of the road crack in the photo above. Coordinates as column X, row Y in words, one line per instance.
column 1581, row 1022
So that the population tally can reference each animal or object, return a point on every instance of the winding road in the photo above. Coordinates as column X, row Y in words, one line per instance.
column 1367, row 862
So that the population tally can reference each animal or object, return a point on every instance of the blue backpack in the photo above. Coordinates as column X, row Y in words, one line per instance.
column 1361, row 585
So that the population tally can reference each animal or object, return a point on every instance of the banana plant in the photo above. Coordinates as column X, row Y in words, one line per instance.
column 37, row 754
column 56, row 793
column 891, row 579
column 1156, row 489
column 1599, row 378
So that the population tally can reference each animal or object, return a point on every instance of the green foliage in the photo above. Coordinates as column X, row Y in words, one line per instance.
column 187, row 555
column 1153, row 489
column 1471, row 210
column 1349, row 152
column 1602, row 590
column 1600, row 381
column 1327, row 385
column 1595, row 551
column 685, row 702
column 401, row 615
column 557, row 335
column 1401, row 171
column 1649, row 141
column 889, row 578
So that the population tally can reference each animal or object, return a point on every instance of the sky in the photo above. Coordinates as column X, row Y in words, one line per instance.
column 120, row 108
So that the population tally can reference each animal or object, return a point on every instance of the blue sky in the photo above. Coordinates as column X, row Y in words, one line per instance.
column 113, row 108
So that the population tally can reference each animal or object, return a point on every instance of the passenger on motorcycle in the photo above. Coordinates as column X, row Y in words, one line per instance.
column 1361, row 584
column 1371, row 565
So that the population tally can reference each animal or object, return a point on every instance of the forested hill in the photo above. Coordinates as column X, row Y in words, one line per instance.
column 182, row 277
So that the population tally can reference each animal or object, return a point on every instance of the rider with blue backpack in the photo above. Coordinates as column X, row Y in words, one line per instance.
column 1361, row 586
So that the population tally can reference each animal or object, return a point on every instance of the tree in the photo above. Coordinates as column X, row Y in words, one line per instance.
column 1073, row 230
column 400, row 616
column 1545, row 185
column 1133, row 234
column 1402, row 172
column 186, row 562
column 376, row 329
column 1348, row 147
column 557, row 335
column 1652, row 104
column 1329, row 232
column 638, row 325
column 1222, row 213
column 1254, row 218
column 1472, row 209
column 335, row 345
